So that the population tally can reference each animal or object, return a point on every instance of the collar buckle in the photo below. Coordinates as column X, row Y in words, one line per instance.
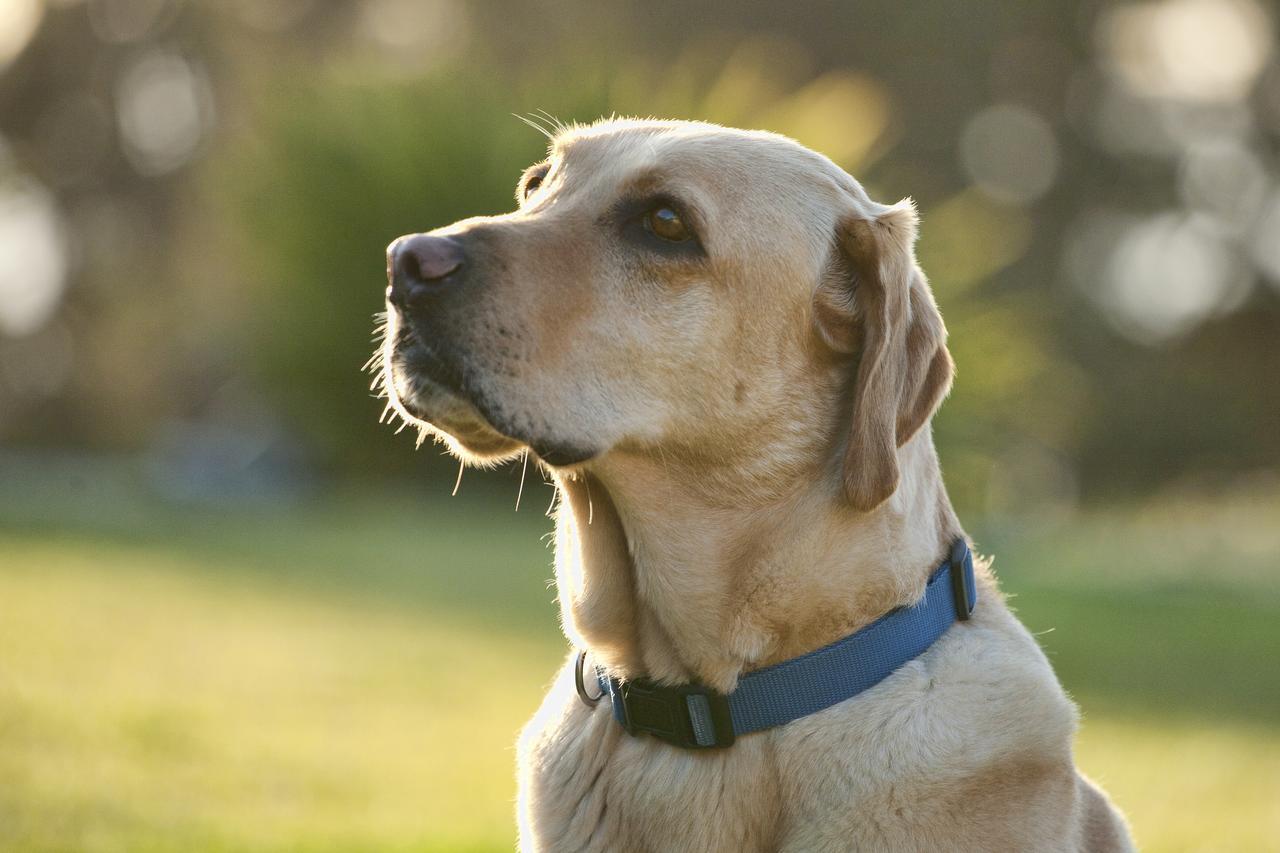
column 964, row 588
column 690, row 716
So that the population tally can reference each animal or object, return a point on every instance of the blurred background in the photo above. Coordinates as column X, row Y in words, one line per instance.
column 237, row 612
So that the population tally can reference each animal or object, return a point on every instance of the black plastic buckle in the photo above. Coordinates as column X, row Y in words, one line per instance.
column 687, row 715
column 962, row 584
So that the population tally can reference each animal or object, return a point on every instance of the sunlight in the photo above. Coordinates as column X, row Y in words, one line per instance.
column 845, row 115
column 1224, row 179
column 18, row 22
column 32, row 257
column 1266, row 243
column 1168, row 274
column 1200, row 50
column 1010, row 153
column 165, row 108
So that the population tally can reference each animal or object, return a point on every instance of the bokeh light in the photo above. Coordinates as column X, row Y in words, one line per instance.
column 1266, row 241
column 1198, row 50
column 18, row 22
column 165, row 108
column 1010, row 153
column 33, row 262
column 1169, row 273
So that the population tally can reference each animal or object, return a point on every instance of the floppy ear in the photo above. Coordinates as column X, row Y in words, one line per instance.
column 904, row 369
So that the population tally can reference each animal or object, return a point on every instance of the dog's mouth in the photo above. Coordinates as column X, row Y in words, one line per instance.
column 435, row 391
column 430, row 393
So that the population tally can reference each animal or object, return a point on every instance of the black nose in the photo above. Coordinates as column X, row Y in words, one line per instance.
column 422, row 266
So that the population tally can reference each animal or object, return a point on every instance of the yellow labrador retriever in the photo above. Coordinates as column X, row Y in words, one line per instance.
column 724, row 352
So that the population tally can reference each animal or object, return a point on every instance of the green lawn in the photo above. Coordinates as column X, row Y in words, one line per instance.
column 351, row 674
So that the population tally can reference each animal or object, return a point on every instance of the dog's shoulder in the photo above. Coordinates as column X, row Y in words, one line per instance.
column 970, row 740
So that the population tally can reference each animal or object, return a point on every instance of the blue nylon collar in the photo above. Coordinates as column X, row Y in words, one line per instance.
column 696, row 717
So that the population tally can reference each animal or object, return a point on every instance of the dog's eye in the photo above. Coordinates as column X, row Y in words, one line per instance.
column 666, row 223
column 531, row 181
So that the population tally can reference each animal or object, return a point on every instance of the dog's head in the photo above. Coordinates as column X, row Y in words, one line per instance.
column 677, row 289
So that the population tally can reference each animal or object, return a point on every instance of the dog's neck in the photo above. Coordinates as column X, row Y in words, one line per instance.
column 658, row 577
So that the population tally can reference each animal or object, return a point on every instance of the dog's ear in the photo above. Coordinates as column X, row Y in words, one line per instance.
column 876, row 303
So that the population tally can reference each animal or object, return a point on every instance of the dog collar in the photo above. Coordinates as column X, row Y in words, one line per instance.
column 694, row 716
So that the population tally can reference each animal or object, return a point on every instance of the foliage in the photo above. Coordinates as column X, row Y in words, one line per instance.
column 1099, row 220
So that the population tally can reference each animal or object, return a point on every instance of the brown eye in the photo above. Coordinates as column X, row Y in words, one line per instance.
column 667, row 224
column 531, row 182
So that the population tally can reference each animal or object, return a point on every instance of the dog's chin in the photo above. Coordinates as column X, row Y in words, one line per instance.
column 466, row 430
column 455, row 421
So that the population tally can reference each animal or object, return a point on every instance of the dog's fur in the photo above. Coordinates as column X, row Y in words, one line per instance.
column 739, row 434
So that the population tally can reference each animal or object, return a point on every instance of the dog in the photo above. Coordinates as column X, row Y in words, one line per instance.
column 726, row 356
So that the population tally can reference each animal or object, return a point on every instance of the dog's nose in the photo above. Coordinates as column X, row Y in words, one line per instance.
column 421, row 266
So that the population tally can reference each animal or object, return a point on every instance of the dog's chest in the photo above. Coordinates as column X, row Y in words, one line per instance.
column 587, row 785
column 891, row 771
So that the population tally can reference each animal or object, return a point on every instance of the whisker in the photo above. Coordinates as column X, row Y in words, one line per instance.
column 534, row 125
column 545, row 119
column 556, row 123
column 523, row 469
column 461, row 467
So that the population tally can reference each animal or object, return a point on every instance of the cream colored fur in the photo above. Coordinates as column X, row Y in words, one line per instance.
column 763, row 482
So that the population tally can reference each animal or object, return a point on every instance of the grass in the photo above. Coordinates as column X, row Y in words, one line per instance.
column 351, row 674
